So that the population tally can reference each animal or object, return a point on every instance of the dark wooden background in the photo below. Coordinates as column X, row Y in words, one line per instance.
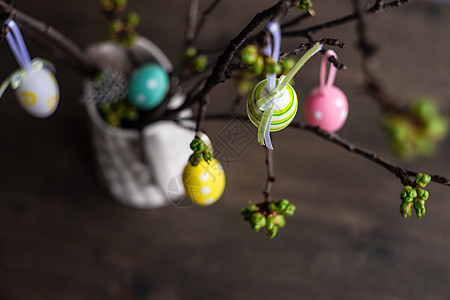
column 62, row 236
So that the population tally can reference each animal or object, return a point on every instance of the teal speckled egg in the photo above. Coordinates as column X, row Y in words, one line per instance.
column 148, row 86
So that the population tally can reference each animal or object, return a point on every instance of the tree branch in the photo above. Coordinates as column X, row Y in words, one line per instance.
column 378, row 7
column 218, row 74
column 326, row 41
column 191, row 21
column 48, row 38
column 402, row 173
column 368, row 50
column 297, row 20
column 203, row 18
column 270, row 175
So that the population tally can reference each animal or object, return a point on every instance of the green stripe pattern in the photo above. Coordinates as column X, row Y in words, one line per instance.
column 284, row 111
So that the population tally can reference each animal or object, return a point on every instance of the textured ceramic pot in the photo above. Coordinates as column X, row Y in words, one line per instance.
column 142, row 169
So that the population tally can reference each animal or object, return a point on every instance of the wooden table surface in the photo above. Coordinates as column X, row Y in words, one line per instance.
column 63, row 236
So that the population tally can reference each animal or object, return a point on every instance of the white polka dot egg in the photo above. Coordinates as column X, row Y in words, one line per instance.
column 284, row 110
column 204, row 183
column 326, row 107
column 148, row 86
column 38, row 93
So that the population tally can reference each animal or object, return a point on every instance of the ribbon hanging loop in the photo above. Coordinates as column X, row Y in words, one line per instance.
column 275, row 30
column 331, row 74
column 17, row 45
column 267, row 103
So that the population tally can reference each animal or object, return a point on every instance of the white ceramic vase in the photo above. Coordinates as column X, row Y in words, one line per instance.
column 142, row 169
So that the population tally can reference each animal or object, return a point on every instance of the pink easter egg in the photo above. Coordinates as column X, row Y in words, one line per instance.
column 326, row 107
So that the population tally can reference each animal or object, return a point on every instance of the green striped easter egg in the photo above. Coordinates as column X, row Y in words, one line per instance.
column 284, row 110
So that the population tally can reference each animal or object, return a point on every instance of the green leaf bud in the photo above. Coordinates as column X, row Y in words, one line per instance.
column 406, row 209
column 278, row 69
column 200, row 63
column 437, row 128
column 191, row 52
column 245, row 211
column 287, row 64
column 115, row 26
column 272, row 232
column 129, row 39
column 422, row 194
column 283, row 204
column 197, row 145
column 258, row 221
column 195, row 159
column 107, row 5
column 424, row 145
column 253, row 207
column 271, row 66
column 423, row 179
column 279, row 220
column 207, row 156
column 408, row 199
column 272, row 207
column 120, row 4
column 424, row 108
column 258, row 66
column 245, row 86
column 270, row 222
column 407, row 193
column 289, row 210
column 132, row 19
column 419, row 207
column 250, row 54
column 304, row 4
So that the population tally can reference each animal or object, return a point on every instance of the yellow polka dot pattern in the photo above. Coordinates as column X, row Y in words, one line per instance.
column 52, row 102
column 38, row 93
column 205, row 183
column 28, row 98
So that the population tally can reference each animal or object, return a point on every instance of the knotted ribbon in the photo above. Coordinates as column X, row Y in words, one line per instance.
column 268, row 102
column 19, row 49
column 15, row 79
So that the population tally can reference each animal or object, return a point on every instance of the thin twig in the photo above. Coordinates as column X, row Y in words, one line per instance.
column 49, row 38
column 219, row 72
column 377, row 8
column 270, row 175
column 3, row 17
column 203, row 18
column 402, row 173
column 297, row 20
column 306, row 46
column 191, row 21
column 368, row 50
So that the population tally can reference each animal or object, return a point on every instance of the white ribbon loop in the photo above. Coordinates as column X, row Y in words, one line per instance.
column 268, row 102
column 274, row 53
column 17, row 45
column 15, row 79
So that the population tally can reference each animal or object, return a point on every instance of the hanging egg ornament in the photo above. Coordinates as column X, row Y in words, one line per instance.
column 148, row 86
column 326, row 106
column 204, row 183
column 284, row 110
column 38, row 92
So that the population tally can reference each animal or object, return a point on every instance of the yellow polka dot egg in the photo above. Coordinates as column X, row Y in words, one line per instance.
column 204, row 183
column 38, row 93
